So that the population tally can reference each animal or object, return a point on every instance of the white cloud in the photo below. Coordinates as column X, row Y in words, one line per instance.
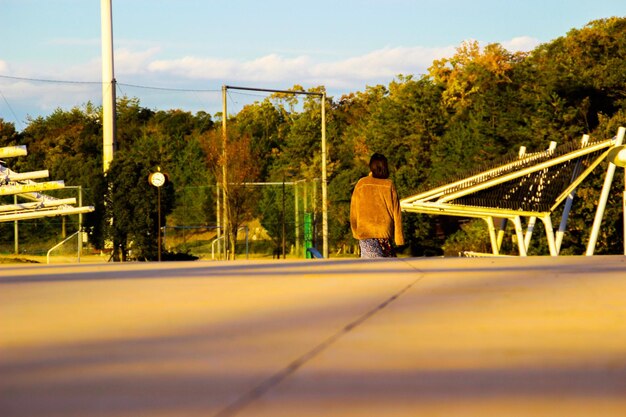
column 521, row 43
column 141, row 65
column 269, row 68
column 131, row 62
column 378, row 66
column 193, row 67
column 275, row 68
column 24, row 98
column 127, row 63
column 383, row 65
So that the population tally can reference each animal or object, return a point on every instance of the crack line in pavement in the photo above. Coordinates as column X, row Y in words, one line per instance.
column 258, row 391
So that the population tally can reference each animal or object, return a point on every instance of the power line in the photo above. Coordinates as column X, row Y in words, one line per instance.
column 268, row 90
column 186, row 90
column 248, row 94
column 41, row 80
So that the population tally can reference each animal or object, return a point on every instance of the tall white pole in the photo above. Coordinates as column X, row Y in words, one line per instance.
column 324, row 182
column 218, row 215
column 297, row 217
column 80, row 222
column 16, row 235
column 108, row 85
column 604, row 195
column 225, row 194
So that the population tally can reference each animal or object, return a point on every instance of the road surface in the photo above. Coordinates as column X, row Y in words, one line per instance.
column 534, row 336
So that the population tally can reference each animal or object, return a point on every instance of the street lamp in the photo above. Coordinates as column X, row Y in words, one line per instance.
column 158, row 179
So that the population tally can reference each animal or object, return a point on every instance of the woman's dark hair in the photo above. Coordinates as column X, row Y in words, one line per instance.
column 379, row 166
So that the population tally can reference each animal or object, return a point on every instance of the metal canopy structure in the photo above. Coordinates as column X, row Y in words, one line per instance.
column 21, row 185
column 531, row 186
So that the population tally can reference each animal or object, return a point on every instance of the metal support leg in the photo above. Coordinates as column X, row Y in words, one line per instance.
column 624, row 214
column 501, row 232
column 547, row 224
column 492, row 235
column 563, row 224
column 529, row 231
column 604, row 195
column 568, row 202
column 519, row 232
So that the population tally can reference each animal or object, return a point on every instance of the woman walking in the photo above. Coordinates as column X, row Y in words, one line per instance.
column 375, row 216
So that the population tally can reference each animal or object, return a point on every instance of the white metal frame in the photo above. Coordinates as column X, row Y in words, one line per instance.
column 440, row 200
column 324, row 156
column 21, row 185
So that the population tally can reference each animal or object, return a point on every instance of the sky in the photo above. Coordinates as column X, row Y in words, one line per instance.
column 178, row 53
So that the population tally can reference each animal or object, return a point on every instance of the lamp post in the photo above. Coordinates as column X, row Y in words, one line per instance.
column 158, row 179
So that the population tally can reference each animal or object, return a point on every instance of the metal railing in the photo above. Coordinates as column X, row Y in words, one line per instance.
column 61, row 243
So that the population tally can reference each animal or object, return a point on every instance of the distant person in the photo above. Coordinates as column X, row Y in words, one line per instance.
column 375, row 216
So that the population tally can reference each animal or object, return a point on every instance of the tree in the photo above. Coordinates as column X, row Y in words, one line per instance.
column 8, row 135
column 241, row 167
column 68, row 144
column 480, row 97
column 265, row 125
column 468, row 111
column 132, row 215
column 275, row 209
column 179, row 135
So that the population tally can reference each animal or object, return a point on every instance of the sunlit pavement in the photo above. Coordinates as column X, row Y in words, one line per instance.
column 500, row 337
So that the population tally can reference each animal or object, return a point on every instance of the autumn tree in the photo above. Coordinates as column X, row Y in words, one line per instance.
column 241, row 167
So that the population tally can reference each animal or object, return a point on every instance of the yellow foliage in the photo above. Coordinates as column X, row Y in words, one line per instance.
column 464, row 74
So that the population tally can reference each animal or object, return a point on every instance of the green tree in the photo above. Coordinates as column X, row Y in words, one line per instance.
column 264, row 124
column 8, row 135
column 67, row 143
column 132, row 206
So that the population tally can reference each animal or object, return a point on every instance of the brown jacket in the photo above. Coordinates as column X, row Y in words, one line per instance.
column 375, row 210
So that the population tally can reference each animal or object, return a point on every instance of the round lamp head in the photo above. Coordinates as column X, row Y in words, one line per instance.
column 157, row 179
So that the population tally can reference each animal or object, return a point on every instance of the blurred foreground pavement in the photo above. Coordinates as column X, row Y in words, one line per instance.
column 534, row 336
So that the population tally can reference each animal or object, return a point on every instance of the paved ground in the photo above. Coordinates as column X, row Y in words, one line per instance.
column 406, row 337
